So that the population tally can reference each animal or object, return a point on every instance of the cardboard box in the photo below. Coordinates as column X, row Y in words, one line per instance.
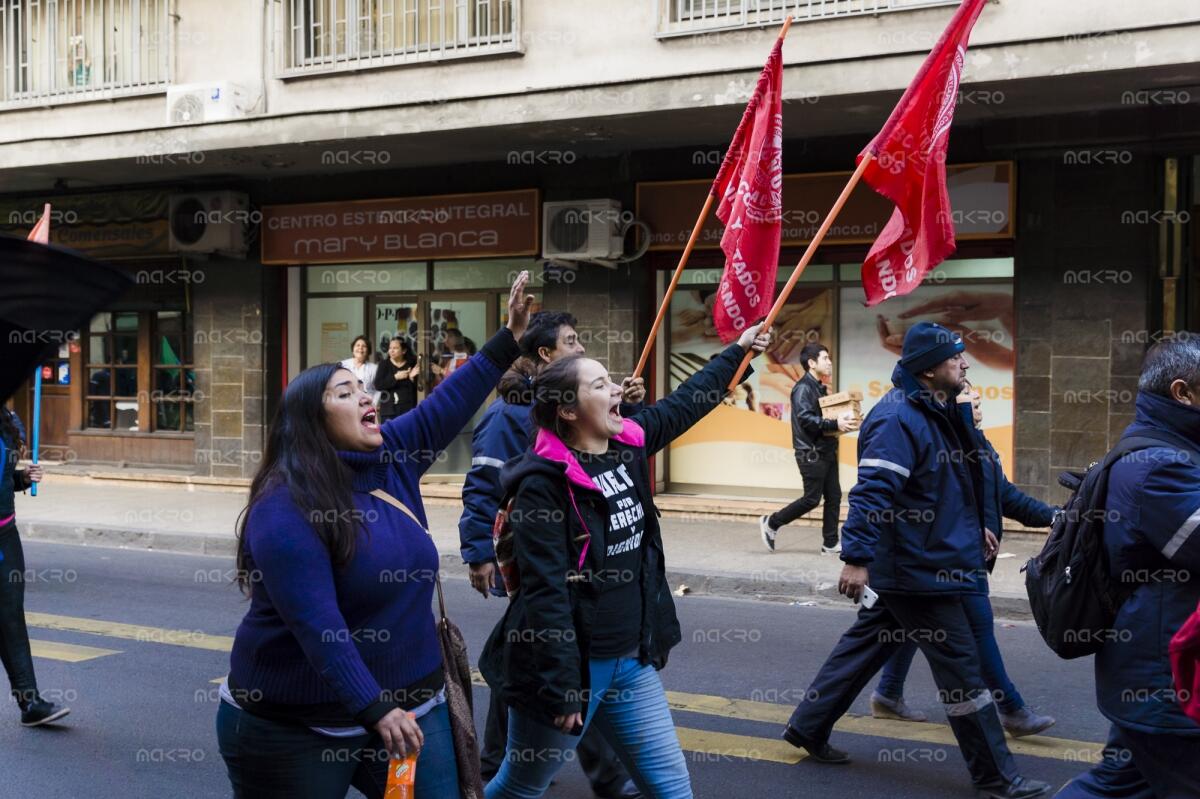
column 834, row 405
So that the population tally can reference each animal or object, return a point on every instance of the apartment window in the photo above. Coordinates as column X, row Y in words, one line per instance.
column 681, row 17
column 333, row 35
column 82, row 49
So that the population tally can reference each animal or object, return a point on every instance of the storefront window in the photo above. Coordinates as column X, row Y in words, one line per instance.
column 492, row 274
column 367, row 277
column 332, row 323
column 746, row 446
column 112, row 402
column 173, row 395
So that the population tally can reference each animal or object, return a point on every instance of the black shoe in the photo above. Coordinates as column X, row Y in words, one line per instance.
column 41, row 712
column 1020, row 788
column 625, row 790
column 820, row 752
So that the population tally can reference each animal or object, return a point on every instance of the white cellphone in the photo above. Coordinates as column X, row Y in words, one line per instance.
column 869, row 597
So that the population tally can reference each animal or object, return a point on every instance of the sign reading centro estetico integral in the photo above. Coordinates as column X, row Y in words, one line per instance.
column 402, row 229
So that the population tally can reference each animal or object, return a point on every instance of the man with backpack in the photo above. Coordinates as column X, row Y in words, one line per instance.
column 915, row 532
column 1151, row 540
column 502, row 434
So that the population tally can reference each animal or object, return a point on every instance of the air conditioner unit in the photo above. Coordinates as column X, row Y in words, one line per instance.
column 582, row 230
column 197, row 103
column 209, row 222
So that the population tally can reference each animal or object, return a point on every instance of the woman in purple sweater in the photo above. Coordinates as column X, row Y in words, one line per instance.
column 339, row 644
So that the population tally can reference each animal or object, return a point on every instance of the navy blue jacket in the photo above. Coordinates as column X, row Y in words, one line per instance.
column 1152, row 535
column 12, row 479
column 501, row 434
column 1003, row 500
column 915, row 516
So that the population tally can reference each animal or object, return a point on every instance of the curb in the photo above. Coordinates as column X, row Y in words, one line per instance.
column 718, row 584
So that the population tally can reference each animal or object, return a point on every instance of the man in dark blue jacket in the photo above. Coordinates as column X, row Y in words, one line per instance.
column 1152, row 538
column 915, row 531
column 501, row 434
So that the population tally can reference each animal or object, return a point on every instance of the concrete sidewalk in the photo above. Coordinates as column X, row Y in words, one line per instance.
column 707, row 553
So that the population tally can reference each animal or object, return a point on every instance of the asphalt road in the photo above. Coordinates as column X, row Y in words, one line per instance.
column 143, row 701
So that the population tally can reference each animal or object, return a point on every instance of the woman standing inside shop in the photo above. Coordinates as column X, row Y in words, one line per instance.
column 14, row 637
column 396, row 380
column 339, row 645
column 593, row 619
column 360, row 366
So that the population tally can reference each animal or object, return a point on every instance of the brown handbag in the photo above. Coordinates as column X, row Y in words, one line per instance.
column 456, row 666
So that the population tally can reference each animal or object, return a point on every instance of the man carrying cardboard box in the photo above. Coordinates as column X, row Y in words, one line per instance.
column 814, row 439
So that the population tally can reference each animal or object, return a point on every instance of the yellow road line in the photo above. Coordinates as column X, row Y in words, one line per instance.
column 70, row 653
column 702, row 741
column 718, row 746
column 1033, row 746
column 133, row 632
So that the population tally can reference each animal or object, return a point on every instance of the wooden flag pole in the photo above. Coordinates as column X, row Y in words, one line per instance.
column 683, row 259
column 808, row 256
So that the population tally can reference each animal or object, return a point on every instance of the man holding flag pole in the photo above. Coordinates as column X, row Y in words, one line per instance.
column 912, row 455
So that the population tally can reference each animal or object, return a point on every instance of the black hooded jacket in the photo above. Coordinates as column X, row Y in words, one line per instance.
column 537, row 655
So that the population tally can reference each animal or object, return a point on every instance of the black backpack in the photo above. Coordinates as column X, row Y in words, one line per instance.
column 1073, row 597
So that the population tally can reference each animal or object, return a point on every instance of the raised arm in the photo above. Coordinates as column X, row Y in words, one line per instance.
column 417, row 437
column 670, row 417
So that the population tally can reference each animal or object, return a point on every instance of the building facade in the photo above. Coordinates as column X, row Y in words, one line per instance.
column 330, row 168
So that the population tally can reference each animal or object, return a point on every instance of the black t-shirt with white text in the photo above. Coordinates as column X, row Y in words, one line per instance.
column 618, row 625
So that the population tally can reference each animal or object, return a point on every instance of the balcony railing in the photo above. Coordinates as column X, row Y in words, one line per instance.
column 56, row 51
column 318, row 36
column 685, row 17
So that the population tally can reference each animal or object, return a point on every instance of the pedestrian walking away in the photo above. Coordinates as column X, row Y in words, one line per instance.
column 503, row 433
column 593, row 620
column 915, row 533
column 1151, row 536
column 336, row 666
column 14, row 636
column 815, row 442
column 1001, row 500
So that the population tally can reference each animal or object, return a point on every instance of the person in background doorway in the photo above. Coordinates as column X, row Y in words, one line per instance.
column 816, row 452
column 359, row 364
column 14, row 636
column 396, row 380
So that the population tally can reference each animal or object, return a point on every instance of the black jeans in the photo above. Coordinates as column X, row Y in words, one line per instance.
column 820, row 482
column 600, row 763
column 14, row 636
column 939, row 627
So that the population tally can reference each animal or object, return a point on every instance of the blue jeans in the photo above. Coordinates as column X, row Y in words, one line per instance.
column 983, row 627
column 273, row 760
column 629, row 707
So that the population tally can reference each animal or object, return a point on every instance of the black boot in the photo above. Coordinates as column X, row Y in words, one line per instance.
column 820, row 752
column 1020, row 788
column 39, row 712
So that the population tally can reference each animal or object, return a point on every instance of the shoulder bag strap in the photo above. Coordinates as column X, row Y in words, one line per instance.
column 379, row 493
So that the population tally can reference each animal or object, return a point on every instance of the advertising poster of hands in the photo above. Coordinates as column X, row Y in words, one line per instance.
column 748, row 441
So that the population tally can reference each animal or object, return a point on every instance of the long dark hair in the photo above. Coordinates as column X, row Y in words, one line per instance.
column 556, row 386
column 9, row 429
column 300, row 456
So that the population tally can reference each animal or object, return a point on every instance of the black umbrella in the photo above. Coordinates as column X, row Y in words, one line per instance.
column 46, row 294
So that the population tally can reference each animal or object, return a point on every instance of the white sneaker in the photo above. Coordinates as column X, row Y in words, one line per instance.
column 768, row 534
column 836, row 549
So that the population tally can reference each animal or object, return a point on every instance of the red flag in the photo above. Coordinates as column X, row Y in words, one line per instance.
column 41, row 231
column 750, row 187
column 910, row 168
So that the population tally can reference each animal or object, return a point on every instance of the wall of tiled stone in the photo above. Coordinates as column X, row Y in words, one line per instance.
column 1083, row 283
column 227, row 318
